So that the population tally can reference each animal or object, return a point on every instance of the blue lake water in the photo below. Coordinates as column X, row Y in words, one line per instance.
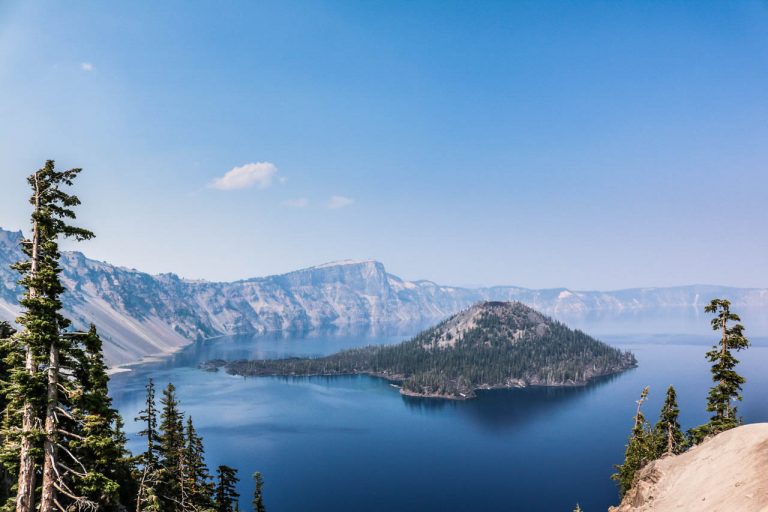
column 355, row 444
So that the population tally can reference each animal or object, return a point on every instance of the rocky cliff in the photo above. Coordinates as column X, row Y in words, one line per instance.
column 141, row 314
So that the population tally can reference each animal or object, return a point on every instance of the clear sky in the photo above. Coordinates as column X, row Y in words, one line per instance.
column 593, row 145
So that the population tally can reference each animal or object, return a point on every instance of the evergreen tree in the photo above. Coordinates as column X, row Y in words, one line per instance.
column 172, row 474
column 148, row 416
column 226, row 493
column 198, row 478
column 7, row 347
column 668, row 438
column 258, row 493
column 6, row 330
column 147, row 498
column 728, row 383
column 37, row 378
column 640, row 449
column 100, row 445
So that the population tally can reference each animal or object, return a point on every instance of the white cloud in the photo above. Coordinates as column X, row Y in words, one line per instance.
column 339, row 202
column 248, row 175
column 302, row 202
column 86, row 66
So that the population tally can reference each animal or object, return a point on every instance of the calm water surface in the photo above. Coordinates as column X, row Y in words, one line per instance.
column 355, row 444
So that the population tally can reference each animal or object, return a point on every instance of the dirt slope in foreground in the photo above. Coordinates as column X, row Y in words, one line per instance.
column 728, row 473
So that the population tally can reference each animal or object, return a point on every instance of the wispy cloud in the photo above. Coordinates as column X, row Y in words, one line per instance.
column 86, row 66
column 245, row 176
column 301, row 202
column 337, row 202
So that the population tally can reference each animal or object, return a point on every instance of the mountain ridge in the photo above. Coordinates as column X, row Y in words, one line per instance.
column 143, row 315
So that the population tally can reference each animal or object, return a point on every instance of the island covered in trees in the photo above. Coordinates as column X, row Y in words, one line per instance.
column 490, row 345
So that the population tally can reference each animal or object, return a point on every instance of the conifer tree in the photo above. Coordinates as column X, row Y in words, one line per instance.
column 7, row 347
column 36, row 384
column 198, row 485
column 668, row 438
column 6, row 330
column 258, row 493
column 148, row 416
column 727, row 382
column 147, row 498
column 640, row 449
column 226, row 492
column 100, row 445
column 172, row 474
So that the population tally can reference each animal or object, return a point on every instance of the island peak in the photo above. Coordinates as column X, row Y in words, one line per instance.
column 488, row 345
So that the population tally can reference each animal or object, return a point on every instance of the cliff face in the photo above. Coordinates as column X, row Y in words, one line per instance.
column 728, row 473
column 140, row 314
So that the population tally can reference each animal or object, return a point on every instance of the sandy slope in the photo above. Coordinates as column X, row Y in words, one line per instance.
column 728, row 473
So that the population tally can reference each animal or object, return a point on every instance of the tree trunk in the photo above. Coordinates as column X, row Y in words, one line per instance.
column 48, row 500
column 727, row 410
column 670, row 440
column 25, row 495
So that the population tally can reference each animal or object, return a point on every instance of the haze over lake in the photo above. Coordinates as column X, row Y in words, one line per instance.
column 354, row 443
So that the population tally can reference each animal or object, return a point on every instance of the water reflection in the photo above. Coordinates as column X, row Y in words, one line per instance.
column 509, row 409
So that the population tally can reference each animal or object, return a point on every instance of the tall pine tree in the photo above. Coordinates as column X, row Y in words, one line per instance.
column 640, row 449
column 199, row 487
column 38, row 383
column 727, row 387
column 172, row 474
column 7, row 347
column 226, row 490
column 147, row 499
column 258, row 493
column 100, row 445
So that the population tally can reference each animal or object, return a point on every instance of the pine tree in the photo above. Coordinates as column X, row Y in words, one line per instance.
column 148, row 416
column 147, row 498
column 258, row 493
column 7, row 347
column 226, row 493
column 172, row 474
column 668, row 438
column 198, row 478
column 37, row 381
column 640, row 449
column 727, row 382
column 6, row 330
column 100, row 445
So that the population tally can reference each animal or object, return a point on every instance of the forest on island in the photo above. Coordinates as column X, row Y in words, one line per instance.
column 508, row 344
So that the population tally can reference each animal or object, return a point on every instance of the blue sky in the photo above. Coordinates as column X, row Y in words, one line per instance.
column 593, row 145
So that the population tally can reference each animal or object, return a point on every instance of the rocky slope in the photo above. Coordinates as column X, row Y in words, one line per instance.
column 728, row 473
column 489, row 345
column 141, row 314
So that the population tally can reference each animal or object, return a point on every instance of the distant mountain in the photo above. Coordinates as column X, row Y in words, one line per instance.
column 141, row 315
column 489, row 345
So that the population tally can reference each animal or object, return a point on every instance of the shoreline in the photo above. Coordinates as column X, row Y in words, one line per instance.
column 396, row 382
